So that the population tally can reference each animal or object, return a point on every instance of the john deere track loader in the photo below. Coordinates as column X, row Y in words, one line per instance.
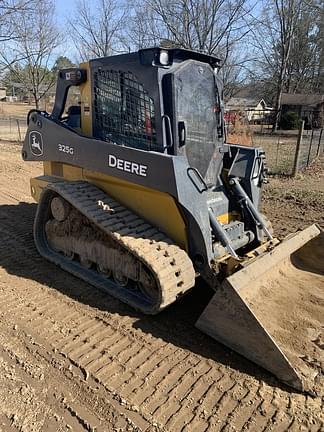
column 141, row 194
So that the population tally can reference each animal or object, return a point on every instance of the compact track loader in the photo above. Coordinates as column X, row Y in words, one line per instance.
column 141, row 194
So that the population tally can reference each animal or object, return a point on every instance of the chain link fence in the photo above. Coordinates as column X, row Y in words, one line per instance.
column 287, row 151
column 13, row 128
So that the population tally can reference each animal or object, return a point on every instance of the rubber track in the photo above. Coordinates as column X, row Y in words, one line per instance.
column 170, row 266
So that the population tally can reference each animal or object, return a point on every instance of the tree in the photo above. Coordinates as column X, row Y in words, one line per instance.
column 318, row 7
column 36, row 40
column 9, row 80
column 286, row 13
column 303, row 70
column 97, row 27
column 62, row 62
column 205, row 25
column 8, row 13
column 273, row 34
column 216, row 27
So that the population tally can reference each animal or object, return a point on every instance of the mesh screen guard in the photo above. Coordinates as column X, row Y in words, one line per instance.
column 124, row 112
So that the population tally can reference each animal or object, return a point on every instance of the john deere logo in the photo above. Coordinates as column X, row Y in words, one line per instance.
column 36, row 143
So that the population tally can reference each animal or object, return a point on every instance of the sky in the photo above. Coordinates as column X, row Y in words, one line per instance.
column 65, row 8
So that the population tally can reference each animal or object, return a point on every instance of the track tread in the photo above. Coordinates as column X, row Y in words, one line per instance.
column 169, row 265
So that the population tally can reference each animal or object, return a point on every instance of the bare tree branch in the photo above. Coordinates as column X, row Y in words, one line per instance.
column 215, row 27
column 28, row 56
column 8, row 12
column 96, row 28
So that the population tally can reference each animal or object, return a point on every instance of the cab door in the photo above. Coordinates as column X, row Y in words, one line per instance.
column 192, row 104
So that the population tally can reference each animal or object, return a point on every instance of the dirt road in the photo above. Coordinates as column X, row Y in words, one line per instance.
column 75, row 359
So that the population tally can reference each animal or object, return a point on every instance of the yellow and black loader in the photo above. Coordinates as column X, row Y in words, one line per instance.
column 141, row 194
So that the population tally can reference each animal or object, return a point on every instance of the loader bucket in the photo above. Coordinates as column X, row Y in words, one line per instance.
column 272, row 311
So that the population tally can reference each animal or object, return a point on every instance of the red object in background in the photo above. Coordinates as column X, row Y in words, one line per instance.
column 230, row 117
column 148, row 124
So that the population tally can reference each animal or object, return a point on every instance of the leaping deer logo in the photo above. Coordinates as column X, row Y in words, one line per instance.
column 36, row 143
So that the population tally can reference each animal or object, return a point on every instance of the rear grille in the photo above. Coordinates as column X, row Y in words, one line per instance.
column 124, row 112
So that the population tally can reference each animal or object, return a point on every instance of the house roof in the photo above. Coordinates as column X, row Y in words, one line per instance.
column 245, row 103
column 302, row 99
column 242, row 102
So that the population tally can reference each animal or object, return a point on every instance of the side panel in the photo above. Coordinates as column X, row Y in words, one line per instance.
column 164, row 174
column 157, row 207
column 52, row 141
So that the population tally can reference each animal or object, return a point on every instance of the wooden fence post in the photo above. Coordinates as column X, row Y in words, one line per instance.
column 319, row 144
column 19, row 133
column 298, row 148
column 310, row 147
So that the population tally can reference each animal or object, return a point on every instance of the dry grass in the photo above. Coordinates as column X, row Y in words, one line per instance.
column 239, row 131
column 8, row 109
column 280, row 147
column 13, row 129
column 13, row 117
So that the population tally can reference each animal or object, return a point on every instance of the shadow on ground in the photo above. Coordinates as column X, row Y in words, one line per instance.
column 18, row 256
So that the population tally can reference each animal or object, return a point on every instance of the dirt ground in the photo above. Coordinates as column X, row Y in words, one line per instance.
column 73, row 358
column 293, row 203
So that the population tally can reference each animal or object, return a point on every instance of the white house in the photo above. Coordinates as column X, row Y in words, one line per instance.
column 3, row 93
column 254, row 109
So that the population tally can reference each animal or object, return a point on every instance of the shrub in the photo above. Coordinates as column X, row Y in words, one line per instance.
column 289, row 120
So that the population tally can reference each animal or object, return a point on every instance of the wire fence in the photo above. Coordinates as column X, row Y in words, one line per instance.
column 13, row 128
column 281, row 150
column 287, row 151
column 312, row 146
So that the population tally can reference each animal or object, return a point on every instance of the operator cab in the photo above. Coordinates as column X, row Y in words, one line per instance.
column 162, row 100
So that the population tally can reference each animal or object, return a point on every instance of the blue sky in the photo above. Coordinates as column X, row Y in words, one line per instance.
column 63, row 8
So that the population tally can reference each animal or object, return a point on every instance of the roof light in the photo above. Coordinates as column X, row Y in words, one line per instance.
column 164, row 58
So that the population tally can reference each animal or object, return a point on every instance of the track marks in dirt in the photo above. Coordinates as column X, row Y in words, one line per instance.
column 168, row 387
column 48, row 392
